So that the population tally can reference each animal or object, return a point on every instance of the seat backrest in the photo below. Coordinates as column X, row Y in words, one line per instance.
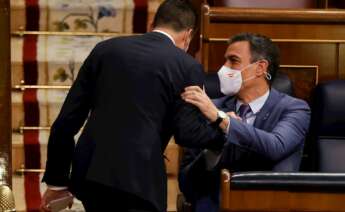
column 328, row 126
column 281, row 83
column 267, row 3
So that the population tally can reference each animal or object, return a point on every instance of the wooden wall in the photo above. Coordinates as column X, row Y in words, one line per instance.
column 5, row 92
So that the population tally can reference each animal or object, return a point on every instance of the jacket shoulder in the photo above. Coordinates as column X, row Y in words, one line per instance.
column 292, row 102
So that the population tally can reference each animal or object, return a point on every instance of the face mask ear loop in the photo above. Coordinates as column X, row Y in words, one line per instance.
column 268, row 76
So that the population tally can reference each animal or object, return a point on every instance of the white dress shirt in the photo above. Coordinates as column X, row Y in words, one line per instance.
column 255, row 107
column 166, row 34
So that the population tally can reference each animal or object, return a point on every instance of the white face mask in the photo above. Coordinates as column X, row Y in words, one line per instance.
column 231, row 79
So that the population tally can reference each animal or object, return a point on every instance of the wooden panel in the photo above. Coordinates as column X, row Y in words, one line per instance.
column 278, row 30
column 304, row 79
column 317, row 201
column 18, row 154
column 341, row 69
column 262, row 200
column 336, row 4
column 323, row 55
column 18, row 157
column 5, row 92
column 259, row 200
column 226, row 14
column 267, row 3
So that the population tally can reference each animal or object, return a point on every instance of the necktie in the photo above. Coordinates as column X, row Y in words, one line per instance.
column 243, row 111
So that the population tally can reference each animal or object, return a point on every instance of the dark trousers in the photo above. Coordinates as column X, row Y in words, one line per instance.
column 97, row 197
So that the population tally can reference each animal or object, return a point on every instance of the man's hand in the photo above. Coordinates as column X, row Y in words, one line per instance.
column 196, row 96
column 50, row 195
column 233, row 115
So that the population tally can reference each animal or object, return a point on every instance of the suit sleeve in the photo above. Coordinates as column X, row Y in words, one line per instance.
column 72, row 116
column 191, row 129
column 287, row 135
column 195, row 181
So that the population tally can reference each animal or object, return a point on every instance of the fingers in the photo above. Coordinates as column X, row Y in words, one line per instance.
column 233, row 115
column 194, row 88
column 195, row 92
column 194, row 102
column 50, row 195
column 44, row 207
column 44, row 204
column 70, row 205
column 191, row 94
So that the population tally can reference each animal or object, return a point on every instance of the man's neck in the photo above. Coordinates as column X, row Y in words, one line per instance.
column 250, row 94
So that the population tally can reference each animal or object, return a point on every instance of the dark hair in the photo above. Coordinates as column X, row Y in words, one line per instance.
column 261, row 47
column 177, row 14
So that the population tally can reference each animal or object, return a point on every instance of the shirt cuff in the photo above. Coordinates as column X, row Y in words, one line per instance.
column 228, row 127
column 57, row 188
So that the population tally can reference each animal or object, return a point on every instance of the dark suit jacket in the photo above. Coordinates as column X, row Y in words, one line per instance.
column 274, row 142
column 128, row 89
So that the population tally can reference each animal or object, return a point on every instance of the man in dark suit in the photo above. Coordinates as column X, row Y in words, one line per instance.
column 265, row 129
column 129, row 90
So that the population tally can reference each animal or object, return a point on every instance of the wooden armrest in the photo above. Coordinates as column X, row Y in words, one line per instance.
column 225, row 188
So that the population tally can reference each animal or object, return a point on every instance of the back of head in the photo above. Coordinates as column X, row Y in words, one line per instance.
column 261, row 47
column 177, row 15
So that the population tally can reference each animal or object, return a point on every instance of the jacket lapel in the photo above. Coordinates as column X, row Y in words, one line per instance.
column 266, row 110
column 226, row 104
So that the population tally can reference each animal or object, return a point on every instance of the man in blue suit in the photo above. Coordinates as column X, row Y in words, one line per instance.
column 265, row 129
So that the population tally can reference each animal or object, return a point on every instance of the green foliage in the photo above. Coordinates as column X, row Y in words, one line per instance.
column 60, row 75
column 61, row 26
column 80, row 23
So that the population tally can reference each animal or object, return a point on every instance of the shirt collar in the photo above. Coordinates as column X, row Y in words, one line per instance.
column 256, row 104
column 166, row 34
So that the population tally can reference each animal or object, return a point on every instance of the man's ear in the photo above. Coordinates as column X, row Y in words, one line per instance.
column 262, row 67
column 190, row 33
column 187, row 35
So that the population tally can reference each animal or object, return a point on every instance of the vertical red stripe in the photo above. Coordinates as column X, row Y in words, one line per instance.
column 140, row 16
column 32, row 14
column 33, row 200
column 30, row 59
column 31, row 118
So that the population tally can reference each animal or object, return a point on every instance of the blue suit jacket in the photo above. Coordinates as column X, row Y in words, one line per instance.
column 274, row 142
